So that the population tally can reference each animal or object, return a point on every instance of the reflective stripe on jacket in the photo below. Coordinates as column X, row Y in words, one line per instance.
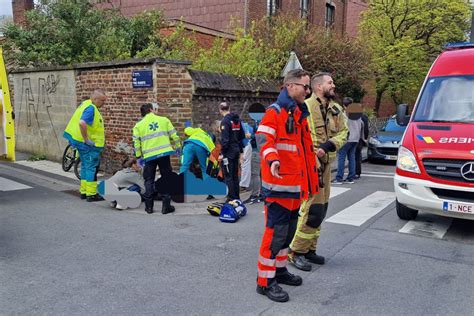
column 151, row 137
column 95, row 132
column 333, row 129
column 294, row 151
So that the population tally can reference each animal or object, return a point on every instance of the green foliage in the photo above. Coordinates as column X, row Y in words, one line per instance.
column 404, row 37
column 63, row 32
column 37, row 157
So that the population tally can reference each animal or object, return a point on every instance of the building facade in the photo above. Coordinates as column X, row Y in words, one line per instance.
column 342, row 16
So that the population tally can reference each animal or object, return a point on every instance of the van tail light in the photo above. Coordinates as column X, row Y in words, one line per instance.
column 406, row 161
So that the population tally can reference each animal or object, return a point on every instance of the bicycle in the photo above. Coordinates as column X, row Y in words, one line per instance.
column 71, row 158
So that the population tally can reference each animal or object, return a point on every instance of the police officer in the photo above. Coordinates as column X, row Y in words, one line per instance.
column 232, row 135
column 289, row 175
column 85, row 131
column 328, row 125
column 151, row 139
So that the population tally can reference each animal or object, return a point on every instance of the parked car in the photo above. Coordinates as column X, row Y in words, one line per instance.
column 384, row 144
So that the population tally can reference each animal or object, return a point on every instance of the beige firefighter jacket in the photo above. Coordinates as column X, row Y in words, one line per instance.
column 333, row 128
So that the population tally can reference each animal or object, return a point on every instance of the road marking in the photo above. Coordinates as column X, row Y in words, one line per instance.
column 365, row 175
column 378, row 172
column 10, row 185
column 435, row 229
column 360, row 212
column 335, row 191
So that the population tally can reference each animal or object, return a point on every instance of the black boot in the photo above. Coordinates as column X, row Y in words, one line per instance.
column 83, row 196
column 312, row 257
column 273, row 291
column 167, row 207
column 94, row 198
column 299, row 261
column 283, row 276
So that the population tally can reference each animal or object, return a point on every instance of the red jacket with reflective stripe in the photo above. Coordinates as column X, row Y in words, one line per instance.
column 295, row 152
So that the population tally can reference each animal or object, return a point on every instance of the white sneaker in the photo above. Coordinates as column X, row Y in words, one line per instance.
column 120, row 207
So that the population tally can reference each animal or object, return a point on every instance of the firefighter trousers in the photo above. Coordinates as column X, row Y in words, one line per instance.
column 312, row 213
column 281, row 218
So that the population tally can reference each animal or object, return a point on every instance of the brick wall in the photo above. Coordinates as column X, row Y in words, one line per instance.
column 172, row 89
column 354, row 11
column 210, row 89
column 19, row 7
column 214, row 14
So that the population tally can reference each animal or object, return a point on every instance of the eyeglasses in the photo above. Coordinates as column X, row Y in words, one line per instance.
column 305, row 86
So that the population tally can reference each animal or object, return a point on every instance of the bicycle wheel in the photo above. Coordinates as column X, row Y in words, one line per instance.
column 77, row 168
column 69, row 157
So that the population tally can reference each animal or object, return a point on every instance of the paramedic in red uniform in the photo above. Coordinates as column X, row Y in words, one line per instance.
column 289, row 174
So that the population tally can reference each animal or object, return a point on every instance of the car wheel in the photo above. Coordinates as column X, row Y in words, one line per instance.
column 405, row 212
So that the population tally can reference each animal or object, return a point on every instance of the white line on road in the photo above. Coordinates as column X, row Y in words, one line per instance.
column 335, row 191
column 378, row 172
column 360, row 212
column 10, row 185
column 365, row 175
column 435, row 229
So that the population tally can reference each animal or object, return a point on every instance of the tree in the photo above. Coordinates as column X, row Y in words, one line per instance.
column 404, row 37
column 62, row 32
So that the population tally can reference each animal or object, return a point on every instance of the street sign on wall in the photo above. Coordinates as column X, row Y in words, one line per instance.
column 142, row 78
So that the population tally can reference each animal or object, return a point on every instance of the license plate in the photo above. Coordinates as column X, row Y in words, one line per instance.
column 458, row 207
column 391, row 157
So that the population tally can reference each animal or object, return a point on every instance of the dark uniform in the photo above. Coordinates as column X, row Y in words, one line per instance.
column 232, row 135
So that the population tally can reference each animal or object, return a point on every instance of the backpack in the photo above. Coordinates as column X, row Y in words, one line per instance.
column 232, row 211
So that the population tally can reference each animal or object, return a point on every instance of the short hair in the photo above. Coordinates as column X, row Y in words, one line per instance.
column 223, row 106
column 97, row 93
column 318, row 78
column 346, row 101
column 128, row 162
column 294, row 75
column 146, row 108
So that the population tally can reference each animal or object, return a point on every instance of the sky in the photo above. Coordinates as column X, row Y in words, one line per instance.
column 5, row 7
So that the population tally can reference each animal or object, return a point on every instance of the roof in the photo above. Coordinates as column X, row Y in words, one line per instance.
column 217, row 81
column 454, row 62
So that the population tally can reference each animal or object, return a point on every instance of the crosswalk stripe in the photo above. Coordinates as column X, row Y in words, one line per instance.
column 9, row 185
column 360, row 212
column 335, row 191
column 434, row 229
column 376, row 176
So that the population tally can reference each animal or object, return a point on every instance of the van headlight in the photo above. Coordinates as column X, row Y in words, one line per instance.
column 406, row 160
column 374, row 141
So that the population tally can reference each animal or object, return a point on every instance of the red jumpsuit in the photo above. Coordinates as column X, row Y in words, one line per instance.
column 293, row 148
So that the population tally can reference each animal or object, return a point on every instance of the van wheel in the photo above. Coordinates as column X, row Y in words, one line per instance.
column 405, row 212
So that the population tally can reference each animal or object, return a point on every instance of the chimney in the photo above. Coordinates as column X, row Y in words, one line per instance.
column 19, row 9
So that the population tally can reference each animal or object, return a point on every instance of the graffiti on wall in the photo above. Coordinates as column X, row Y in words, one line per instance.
column 38, row 101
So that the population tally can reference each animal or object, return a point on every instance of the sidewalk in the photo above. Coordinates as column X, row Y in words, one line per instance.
column 194, row 205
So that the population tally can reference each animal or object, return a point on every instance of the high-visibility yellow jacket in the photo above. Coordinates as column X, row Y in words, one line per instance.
column 328, row 123
column 95, row 132
column 200, row 137
column 151, row 137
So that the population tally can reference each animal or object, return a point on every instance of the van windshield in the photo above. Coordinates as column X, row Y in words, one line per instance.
column 447, row 99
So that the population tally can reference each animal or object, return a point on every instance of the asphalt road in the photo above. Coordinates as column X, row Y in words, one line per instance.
column 61, row 255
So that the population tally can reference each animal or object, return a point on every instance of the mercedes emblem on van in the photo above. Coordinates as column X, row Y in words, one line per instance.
column 467, row 171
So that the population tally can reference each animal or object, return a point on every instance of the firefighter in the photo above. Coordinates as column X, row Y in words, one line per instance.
column 151, row 139
column 328, row 125
column 85, row 131
column 289, row 175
